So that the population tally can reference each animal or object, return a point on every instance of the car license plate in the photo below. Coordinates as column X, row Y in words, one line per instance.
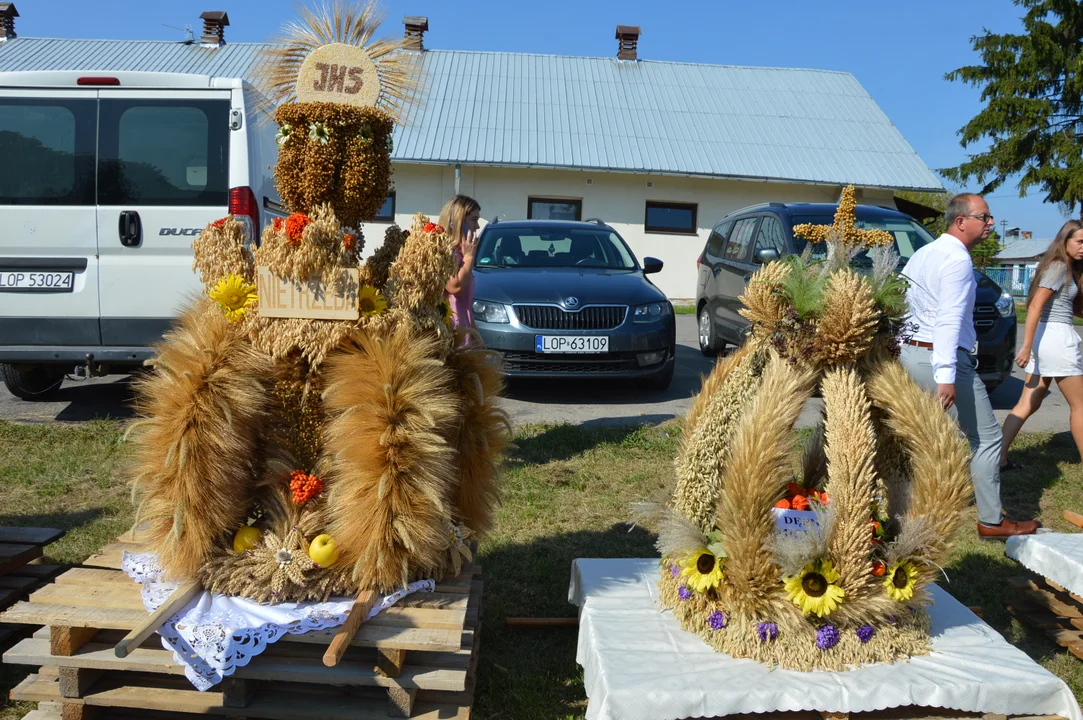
column 571, row 343
column 36, row 280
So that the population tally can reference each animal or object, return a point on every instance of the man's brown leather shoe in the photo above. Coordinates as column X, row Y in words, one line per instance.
column 1006, row 529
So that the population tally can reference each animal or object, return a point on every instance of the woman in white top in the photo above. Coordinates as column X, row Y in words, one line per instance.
column 1050, row 344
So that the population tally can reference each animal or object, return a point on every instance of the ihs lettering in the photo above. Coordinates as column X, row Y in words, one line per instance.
column 333, row 78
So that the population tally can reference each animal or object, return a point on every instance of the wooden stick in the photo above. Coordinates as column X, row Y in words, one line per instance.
column 166, row 610
column 358, row 613
column 1074, row 518
column 526, row 622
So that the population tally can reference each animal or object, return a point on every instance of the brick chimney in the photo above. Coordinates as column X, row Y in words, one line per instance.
column 416, row 26
column 214, row 28
column 629, row 39
column 8, row 13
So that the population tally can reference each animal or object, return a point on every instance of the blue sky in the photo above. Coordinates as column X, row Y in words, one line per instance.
column 899, row 52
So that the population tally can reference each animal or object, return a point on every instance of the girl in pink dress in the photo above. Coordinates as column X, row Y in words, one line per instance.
column 460, row 217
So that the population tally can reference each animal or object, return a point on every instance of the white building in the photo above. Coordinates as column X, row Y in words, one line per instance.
column 659, row 150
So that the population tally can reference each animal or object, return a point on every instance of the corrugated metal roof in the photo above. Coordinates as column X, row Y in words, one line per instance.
column 232, row 60
column 1023, row 249
column 515, row 109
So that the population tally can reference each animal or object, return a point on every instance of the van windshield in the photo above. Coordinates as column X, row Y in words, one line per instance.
column 909, row 235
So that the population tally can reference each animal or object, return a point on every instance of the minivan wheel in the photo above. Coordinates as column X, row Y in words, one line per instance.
column 32, row 382
column 709, row 342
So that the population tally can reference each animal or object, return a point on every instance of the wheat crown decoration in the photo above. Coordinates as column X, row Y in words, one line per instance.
column 813, row 555
column 333, row 29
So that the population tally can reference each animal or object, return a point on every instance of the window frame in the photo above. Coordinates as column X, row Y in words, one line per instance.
column 84, row 113
column 670, row 205
column 782, row 249
column 531, row 199
column 387, row 218
column 755, row 220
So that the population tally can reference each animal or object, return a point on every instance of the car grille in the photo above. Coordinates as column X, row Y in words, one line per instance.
column 528, row 362
column 549, row 317
column 985, row 316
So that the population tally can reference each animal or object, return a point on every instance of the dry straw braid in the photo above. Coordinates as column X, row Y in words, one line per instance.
column 941, row 488
column 753, row 481
column 845, row 332
column 390, row 471
column 850, row 450
column 195, row 444
column 704, row 453
column 419, row 275
column 761, row 300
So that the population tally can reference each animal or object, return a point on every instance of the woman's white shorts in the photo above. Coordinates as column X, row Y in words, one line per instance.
column 1056, row 351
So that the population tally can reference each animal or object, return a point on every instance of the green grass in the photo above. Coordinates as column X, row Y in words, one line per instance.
column 1021, row 318
column 566, row 495
column 684, row 309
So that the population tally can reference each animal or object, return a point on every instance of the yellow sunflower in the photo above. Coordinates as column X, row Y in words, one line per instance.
column 445, row 312
column 371, row 301
column 899, row 581
column 235, row 296
column 814, row 590
column 703, row 570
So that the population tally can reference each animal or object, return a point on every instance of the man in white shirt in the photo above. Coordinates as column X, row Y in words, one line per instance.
column 940, row 354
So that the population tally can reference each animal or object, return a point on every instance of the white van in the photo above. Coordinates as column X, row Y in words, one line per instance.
column 105, row 179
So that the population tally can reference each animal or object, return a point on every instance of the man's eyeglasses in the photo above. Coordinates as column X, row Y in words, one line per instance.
column 984, row 217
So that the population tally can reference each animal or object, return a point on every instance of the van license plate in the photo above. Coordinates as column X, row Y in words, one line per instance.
column 36, row 281
column 571, row 343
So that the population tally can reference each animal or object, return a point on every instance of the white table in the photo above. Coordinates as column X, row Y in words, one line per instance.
column 639, row 665
column 1057, row 556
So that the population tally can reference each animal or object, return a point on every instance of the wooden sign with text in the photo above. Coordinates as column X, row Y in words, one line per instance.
column 339, row 73
column 310, row 300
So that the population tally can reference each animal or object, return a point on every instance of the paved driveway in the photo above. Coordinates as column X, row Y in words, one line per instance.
column 591, row 402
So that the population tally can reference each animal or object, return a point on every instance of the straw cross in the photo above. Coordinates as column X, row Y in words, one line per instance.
column 843, row 230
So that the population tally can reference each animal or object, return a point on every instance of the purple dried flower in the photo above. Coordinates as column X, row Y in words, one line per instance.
column 716, row 620
column 865, row 633
column 674, row 570
column 684, row 592
column 827, row 637
column 891, row 619
column 767, row 631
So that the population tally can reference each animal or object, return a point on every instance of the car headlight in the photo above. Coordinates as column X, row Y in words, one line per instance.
column 652, row 312
column 1006, row 304
column 490, row 312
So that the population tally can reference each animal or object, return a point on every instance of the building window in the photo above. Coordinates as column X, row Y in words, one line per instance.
column 538, row 208
column 387, row 210
column 669, row 217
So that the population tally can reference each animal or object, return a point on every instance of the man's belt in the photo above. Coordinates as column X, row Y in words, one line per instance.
column 929, row 345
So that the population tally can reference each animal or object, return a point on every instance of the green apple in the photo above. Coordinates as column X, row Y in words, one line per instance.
column 323, row 550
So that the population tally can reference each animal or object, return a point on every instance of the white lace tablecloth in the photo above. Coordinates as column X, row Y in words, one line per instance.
column 639, row 665
column 213, row 634
column 1057, row 556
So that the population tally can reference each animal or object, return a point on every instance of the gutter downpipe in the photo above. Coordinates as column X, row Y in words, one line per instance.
column 458, row 176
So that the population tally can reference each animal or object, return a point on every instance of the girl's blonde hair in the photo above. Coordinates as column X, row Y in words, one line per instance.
column 453, row 216
column 1058, row 251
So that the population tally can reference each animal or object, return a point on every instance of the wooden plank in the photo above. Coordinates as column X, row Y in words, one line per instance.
column 30, row 613
column 1074, row 518
column 112, row 554
column 37, row 570
column 1057, row 603
column 15, row 582
column 73, row 711
column 359, row 611
column 389, row 661
column 176, row 602
column 1067, row 592
column 65, row 640
column 89, row 596
column 95, row 576
column 74, row 682
column 401, row 702
column 30, row 536
column 265, row 668
column 14, row 556
column 237, row 692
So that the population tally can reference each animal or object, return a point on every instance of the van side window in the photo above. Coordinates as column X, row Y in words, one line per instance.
column 771, row 235
column 47, row 146
column 163, row 152
column 718, row 238
column 740, row 239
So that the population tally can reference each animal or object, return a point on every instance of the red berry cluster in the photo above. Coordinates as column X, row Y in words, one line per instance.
column 304, row 487
column 349, row 242
column 278, row 223
column 432, row 227
column 219, row 222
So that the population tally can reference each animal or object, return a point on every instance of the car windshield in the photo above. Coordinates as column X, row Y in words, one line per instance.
column 533, row 247
column 909, row 235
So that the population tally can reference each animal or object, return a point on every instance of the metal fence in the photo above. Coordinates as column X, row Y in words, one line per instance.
column 1015, row 279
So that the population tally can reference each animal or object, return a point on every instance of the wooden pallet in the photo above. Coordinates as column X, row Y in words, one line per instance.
column 19, row 573
column 416, row 659
column 1045, row 605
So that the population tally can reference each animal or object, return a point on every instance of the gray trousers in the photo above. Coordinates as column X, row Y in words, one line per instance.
column 974, row 413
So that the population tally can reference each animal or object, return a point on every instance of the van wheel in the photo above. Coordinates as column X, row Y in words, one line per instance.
column 32, row 382
column 709, row 342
